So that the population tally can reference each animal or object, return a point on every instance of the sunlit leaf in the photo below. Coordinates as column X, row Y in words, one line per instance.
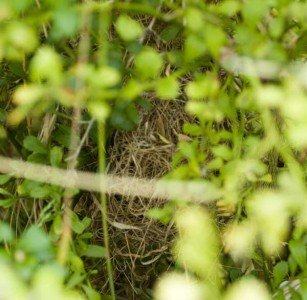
column 128, row 28
column 167, row 88
column 148, row 63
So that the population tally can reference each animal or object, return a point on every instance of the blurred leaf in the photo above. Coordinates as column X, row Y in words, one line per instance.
column 240, row 289
column 192, row 129
column 124, row 116
column 292, row 265
column 63, row 133
column 105, row 77
column 36, row 242
column 95, row 251
column 298, row 251
column 215, row 38
column 194, row 19
column 4, row 179
column 148, row 63
column 21, row 5
column 11, row 285
column 164, row 214
column 198, row 244
column 28, row 94
column 77, row 225
column 128, row 28
column 170, row 32
column 167, row 88
column 194, row 47
column 91, row 293
column 65, row 22
column 5, row 192
column 75, row 279
column 8, row 202
column 6, row 233
column 99, row 110
column 22, row 36
column 46, row 65
column 254, row 10
column 229, row 7
column 222, row 151
column 56, row 156
column 280, row 272
column 33, row 144
column 132, row 89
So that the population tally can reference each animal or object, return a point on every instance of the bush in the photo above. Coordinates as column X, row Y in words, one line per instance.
column 75, row 74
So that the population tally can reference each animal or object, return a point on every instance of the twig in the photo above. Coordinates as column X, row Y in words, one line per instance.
column 199, row 191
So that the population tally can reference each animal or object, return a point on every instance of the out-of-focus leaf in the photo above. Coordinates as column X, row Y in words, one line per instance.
column 128, row 28
column 95, row 251
column 33, row 144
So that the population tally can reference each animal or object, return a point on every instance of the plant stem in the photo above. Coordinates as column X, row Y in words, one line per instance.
column 104, row 206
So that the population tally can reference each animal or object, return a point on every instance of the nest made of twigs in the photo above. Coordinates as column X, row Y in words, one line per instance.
column 140, row 246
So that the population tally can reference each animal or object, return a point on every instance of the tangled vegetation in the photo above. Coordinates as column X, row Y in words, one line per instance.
column 153, row 149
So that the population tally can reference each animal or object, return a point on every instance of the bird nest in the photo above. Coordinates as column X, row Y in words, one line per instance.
column 140, row 245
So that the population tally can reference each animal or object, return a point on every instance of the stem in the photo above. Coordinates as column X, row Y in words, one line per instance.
column 104, row 24
column 73, row 144
column 104, row 207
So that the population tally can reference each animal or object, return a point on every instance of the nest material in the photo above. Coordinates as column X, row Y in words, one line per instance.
column 140, row 245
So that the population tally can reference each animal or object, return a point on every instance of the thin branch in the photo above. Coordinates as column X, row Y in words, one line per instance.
column 199, row 191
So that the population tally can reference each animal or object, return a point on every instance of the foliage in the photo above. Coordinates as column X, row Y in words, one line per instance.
column 240, row 68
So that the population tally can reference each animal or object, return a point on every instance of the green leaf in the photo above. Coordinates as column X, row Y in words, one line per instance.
column 99, row 110
column 164, row 214
column 95, row 251
column 35, row 241
column 63, row 134
column 228, row 7
column 86, row 222
column 22, row 36
column 188, row 150
column 124, row 116
column 298, row 251
column 167, row 88
column 106, row 77
column 6, row 233
column 27, row 94
column 40, row 192
column 194, row 19
column 128, row 28
column 20, row 5
column 148, row 63
column 8, row 202
column 46, row 65
column 56, row 156
column 169, row 33
column 5, row 192
column 280, row 271
column 222, row 151
column 254, row 10
column 75, row 279
column 193, row 129
column 215, row 38
column 132, row 89
column 33, row 144
column 91, row 293
column 204, row 86
column 194, row 47
column 56, row 227
column 77, row 225
column 65, row 22
column 4, row 178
